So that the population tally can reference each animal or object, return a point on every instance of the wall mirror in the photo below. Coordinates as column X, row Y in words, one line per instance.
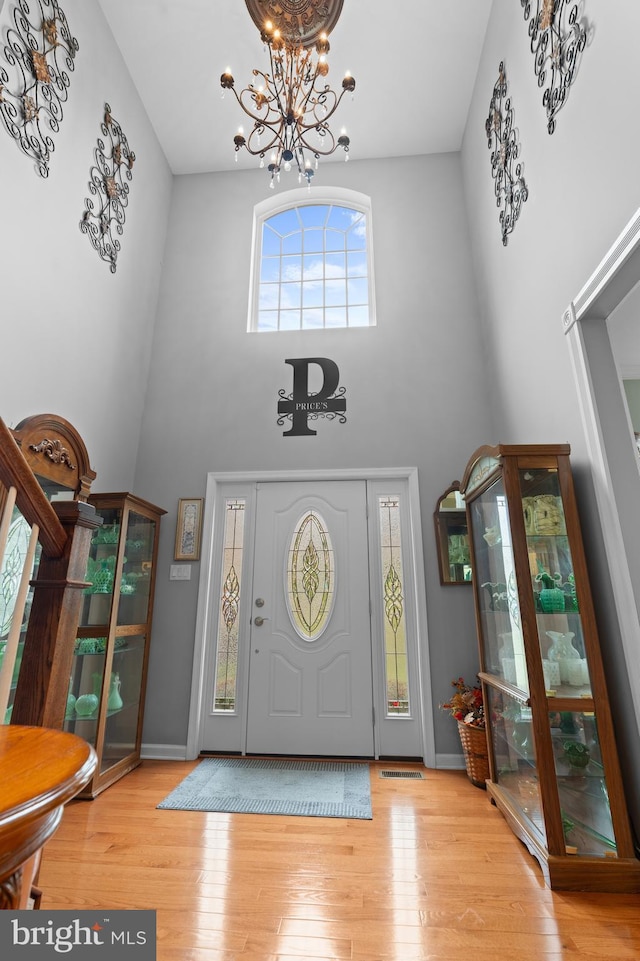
column 452, row 537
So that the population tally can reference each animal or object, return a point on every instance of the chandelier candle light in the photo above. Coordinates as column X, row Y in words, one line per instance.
column 290, row 106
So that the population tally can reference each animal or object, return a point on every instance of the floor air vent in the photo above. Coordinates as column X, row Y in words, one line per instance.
column 404, row 775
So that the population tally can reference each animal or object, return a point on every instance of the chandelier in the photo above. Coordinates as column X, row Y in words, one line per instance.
column 290, row 106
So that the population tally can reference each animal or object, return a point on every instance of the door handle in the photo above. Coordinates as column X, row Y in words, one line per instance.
column 259, row 621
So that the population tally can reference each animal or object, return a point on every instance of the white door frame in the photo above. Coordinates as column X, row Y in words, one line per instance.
column 205, row 586
column 607, row 431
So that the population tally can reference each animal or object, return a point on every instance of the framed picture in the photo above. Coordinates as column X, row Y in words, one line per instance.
column 188, row 529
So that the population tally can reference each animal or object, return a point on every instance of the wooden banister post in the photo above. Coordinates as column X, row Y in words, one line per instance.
column 47, row 658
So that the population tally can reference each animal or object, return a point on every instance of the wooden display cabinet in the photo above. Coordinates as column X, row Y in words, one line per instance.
column 107, row 684
column 554, row 769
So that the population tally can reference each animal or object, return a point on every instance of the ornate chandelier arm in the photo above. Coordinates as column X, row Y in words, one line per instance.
column 327, row 141
column 288, row 103
column 294, row 78
column 256, row 146
column 259, row 106
column 256, row 95
column 322, row 107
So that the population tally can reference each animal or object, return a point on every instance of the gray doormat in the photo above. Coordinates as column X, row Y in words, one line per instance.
column 333, row 789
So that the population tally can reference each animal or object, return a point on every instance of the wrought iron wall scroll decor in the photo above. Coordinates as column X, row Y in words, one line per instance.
column 509, row 185
column 105, row 216
column 34, row 79
column 557, row 41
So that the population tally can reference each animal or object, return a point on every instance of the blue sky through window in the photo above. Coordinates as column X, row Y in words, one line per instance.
column 314, row 269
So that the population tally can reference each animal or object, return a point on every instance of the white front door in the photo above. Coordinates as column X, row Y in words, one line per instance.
column 310, row 674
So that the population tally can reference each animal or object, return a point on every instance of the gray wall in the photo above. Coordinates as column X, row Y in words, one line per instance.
column 76, row 339
column 577, row 206
column 416, row 390
column 580, row 200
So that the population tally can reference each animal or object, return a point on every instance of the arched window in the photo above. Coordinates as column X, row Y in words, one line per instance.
column 312, row 265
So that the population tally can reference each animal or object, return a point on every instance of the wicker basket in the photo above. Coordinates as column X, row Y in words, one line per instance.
column 474, row 746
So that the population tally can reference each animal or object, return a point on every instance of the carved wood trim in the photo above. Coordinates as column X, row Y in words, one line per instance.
column 10, row 890
column 31, row 501
column 54, row 450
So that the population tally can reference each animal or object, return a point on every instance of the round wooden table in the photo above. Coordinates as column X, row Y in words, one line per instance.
column 40, row 770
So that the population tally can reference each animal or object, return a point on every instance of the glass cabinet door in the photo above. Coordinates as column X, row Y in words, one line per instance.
column 123, row 699
column 582, row 791
column 106, row 685
column 101, row 571
column 85, row 687
column 497, row 591
column 134, row 595
column 514, row 752
column 11, row 570
column 86, row 684
column 11, row 573
column 503, row 656
column 562, row 649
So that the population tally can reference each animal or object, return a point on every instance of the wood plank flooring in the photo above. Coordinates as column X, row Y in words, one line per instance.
column 435, row 876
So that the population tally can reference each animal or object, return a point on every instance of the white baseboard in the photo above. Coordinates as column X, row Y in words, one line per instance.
column 450, row 762
column 163, row 752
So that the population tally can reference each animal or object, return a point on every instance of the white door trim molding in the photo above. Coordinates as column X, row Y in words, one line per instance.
column 584, row 322
column 203, row 627
column 629, row 371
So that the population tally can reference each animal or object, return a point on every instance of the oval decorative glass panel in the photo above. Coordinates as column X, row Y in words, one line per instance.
column 310, row 588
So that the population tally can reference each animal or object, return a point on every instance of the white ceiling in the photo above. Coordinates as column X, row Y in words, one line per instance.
column 414, row 61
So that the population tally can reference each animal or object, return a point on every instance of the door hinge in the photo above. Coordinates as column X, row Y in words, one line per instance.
column 373, row 716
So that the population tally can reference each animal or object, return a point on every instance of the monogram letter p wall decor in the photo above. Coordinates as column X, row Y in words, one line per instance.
column 300, row 406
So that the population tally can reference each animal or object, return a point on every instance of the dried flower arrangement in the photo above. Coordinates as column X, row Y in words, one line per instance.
column 466, row 704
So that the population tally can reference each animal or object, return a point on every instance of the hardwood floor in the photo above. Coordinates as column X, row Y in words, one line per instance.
column 436, row 875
